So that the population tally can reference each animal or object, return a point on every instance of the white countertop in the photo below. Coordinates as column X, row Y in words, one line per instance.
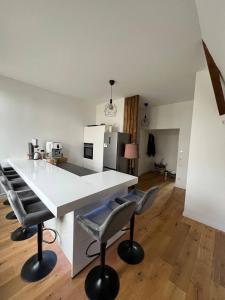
column 62, row 191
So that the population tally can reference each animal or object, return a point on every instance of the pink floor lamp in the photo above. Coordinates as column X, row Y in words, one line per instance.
column 131, row 153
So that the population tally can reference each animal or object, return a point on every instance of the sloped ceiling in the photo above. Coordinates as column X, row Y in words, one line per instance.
column 151, row 48
column 212, row 23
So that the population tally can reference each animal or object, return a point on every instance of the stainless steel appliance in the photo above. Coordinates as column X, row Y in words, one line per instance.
column 54, row 149
column 114, row 146
column 88, row 150
column 33, row 149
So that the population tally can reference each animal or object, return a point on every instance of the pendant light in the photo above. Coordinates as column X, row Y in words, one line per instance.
column 110, row 108
column 145, row 121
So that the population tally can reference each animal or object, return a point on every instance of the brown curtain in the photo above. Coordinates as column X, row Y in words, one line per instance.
column 131, row 117
column 131, row 112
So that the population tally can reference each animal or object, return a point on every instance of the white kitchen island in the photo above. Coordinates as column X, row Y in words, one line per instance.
column 66, row 195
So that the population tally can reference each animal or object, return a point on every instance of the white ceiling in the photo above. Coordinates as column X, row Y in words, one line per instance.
column 150, row 47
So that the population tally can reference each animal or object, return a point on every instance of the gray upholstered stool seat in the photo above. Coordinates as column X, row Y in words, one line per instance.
column 6, row 168
column 12, row 176
column 93, row 222
column 25, row 232
column 27, row 196
column 41, row 264
column 19, row 185
column 102, row 223
column 34, row 213
column 143, row 200
column 7, row 171
column 130, row 251
column 9, row 178
column 16, row 185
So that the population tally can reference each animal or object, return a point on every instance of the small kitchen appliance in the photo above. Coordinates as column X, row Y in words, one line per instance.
column 54, row 149
column 33, row 149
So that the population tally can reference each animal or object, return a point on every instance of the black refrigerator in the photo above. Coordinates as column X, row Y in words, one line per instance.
column 114, row 147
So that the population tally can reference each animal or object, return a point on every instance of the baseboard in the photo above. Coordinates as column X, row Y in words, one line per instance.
column 202, row 219
column 180, row 186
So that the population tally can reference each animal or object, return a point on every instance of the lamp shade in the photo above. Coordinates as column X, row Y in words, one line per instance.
column 131, row 151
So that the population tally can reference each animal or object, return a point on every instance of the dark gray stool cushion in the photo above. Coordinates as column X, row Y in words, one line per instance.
column 29, row 214
column 16, row 184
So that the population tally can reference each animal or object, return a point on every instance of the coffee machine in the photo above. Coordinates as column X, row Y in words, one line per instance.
column 32, row 149
column 54, row 149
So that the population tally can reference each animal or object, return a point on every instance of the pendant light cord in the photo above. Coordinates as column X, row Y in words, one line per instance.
column 111, row 94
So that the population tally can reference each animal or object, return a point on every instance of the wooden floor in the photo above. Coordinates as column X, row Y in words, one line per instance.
column 183, row 259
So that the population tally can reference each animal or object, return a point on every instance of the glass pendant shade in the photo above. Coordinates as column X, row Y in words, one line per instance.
column 110, row 108
column 145, row 122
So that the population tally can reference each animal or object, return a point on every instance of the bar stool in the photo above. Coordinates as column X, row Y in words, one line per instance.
column 102, row 282
column 27, row 197
column 23, row 233
column 41, row 264
column 10, row 178
column 130, row 251
column 6, row 169
column 15, row 185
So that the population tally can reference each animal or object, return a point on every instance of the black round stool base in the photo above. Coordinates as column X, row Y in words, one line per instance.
column 102, row 284
column 10, row 216
column 21, row 234
column 131, row 254
column 34, row 270
column 6, row 202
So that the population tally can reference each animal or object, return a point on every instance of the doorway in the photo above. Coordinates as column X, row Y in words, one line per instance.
column 166, row 153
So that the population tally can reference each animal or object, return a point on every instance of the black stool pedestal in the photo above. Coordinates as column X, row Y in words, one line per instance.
column 35, row 269
column 21, row 234
column 39, row 265
column 130, row 251
column 102, row 283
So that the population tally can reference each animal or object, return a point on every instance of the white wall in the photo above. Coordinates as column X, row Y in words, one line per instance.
column 116, row 121
column 205, row 194
column 167, row 147
column 171, row 116
column 28, row 112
